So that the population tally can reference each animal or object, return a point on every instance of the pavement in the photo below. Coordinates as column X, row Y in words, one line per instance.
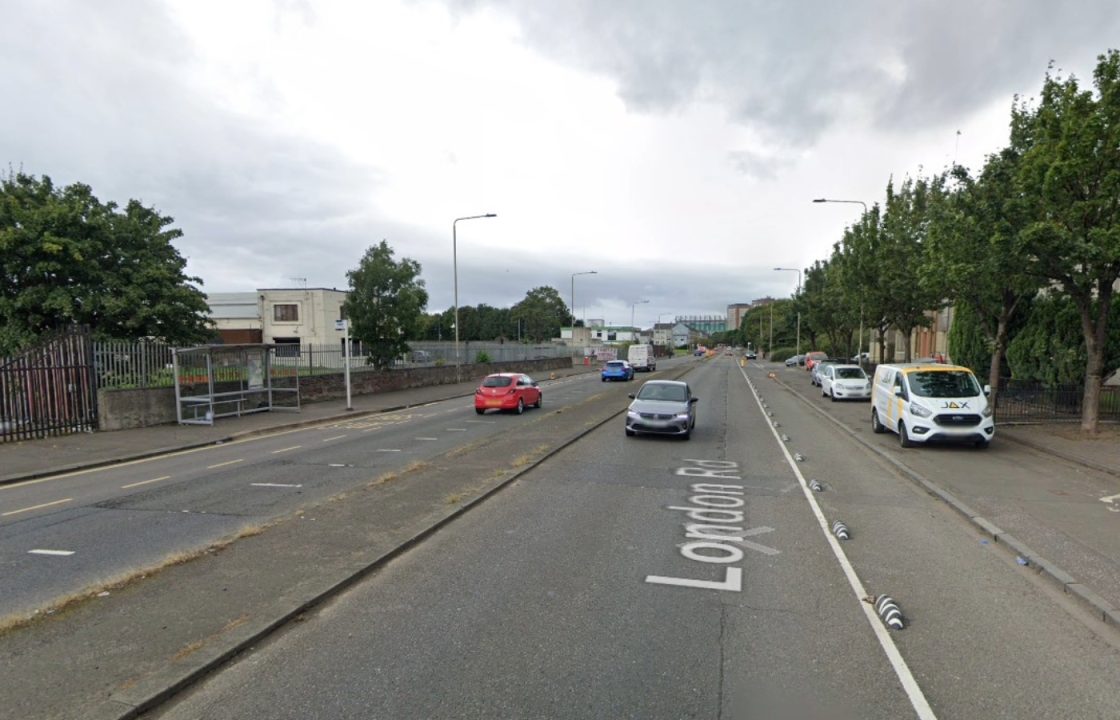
column 100, row 659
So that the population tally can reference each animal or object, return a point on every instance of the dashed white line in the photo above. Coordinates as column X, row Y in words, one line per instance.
column 284, row 450
column 145, row 482
column 279, row 485
column 425, row 438
column 336, row 437
column 35, row 507
column 388, row 449
column 455, row 429
column 231, row 462
column 61, row 553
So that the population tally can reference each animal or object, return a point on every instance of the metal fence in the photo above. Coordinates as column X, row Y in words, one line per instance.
column 149, row 364
column 48, row 389
column 1018, row 400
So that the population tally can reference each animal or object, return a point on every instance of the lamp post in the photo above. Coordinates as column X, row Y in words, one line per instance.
column 455, row 273
column 797, row 350
column 859, row 345
column 585, row 272
column 632, row 306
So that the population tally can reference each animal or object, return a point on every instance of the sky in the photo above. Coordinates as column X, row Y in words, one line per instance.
column 672, row 147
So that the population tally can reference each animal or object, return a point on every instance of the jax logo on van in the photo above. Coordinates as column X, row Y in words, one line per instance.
column 954, row 405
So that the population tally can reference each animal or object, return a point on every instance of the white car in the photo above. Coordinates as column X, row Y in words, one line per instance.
column 845, row 382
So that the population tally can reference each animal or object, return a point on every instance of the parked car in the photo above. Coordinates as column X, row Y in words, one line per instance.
column 818, row 368
column 795, row 360
column 662, row 407
column 751, row 355
column 507, row 391
column 931, row 402
column 844, row 382
column 617, row 370
column 813, row 358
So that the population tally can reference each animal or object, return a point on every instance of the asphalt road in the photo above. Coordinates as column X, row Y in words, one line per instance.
column 61, row 535
column 577, row 592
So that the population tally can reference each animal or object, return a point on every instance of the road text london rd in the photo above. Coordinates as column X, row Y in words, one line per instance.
column 714, row 520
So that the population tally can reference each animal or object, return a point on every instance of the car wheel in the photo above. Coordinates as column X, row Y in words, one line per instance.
column 904, row 439
column 688, row 435
column 603, row 379
column 520, row 406
column 629, row 432
column 540, row 400
column 479, row 411
column 876, row 426
column 831, row 396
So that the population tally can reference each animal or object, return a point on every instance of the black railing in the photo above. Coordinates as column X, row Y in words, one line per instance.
column 1033, row 401
column 49, row 389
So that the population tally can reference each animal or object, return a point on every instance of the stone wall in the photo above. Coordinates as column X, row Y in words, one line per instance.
column 124, row 409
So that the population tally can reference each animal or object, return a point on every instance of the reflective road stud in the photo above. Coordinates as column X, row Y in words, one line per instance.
column 840, row 530
column 815, row 486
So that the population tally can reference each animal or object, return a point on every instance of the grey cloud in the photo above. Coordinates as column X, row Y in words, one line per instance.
column 791, row 70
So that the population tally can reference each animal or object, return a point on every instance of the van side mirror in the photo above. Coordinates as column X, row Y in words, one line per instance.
column 631, row 396
column 987, row 389
column 693, row 400
column 899, row 392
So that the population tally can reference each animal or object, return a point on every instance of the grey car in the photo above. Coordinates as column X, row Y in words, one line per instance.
column 662, row 407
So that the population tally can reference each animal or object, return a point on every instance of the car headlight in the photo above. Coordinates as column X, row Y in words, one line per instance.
column 682, row 416
column 987, row 411
column 920, row 411
column 632, row 415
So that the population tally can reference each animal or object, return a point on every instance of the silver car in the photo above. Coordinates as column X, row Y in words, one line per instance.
column 662, row 407
column 845, row 382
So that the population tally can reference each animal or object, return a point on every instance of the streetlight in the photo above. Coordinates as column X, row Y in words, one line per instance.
column 455, row 272
column 585, row 272
column 797, row 350
column 632, row 305
column 859, row 345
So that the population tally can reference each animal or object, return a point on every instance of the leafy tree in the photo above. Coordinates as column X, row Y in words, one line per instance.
column 66, row 257
column 829, row 311
column 863, row 263
column 1070, row 178
column 385, row 303
column 1049, row 348
column 542, row 313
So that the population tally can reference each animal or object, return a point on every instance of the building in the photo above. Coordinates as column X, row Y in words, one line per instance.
column 704, row 324
column 301, row 316
column 735, row 313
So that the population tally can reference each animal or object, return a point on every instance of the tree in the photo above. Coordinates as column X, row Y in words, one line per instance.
column 542, row 313
column 66, row 257
column 385, row 304
column 863, row 263
column 972, row 250
column 1070, row 177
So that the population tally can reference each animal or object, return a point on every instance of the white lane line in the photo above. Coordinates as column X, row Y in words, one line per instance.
column 35, row 507
column 61, row 553
column 279, row 485
column 283, row 450
column 901, row 669
column 336, row 437
column 388, row 449
column 336, row 464
column 425, row 438
column 455, row 429
column 231, row 462
column 1110, row 498
column 145, row 482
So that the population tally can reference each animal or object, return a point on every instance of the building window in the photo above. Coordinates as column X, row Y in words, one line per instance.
column 285, row 313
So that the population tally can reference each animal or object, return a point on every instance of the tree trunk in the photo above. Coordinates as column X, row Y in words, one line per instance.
column 999, row 347
column 1095, row 331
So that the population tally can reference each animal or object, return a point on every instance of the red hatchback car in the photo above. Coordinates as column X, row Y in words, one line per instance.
column 507, row 391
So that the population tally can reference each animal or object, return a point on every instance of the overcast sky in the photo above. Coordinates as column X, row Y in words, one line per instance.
column 674, row 147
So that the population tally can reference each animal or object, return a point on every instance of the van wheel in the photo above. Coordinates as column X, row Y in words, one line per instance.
column 876, row 426
column 904, row 439
column 831, row 396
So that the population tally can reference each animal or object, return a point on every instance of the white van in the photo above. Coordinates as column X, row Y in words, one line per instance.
column 931, row 402
column 641, row 358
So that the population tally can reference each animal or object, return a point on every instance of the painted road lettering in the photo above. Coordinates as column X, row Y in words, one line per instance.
column 717, row 522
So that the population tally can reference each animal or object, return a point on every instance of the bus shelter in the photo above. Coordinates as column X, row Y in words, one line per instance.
column 214, row 381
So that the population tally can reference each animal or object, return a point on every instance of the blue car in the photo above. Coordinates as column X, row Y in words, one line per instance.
column 617, row 370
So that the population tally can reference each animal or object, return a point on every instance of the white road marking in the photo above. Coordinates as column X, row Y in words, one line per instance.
column 279, row 485
column 336, row 464
column 61, row 553
column 755, row 546
column 455, row 429
column 336, row 437
column 388, row 449
column 901, row 669
column 1110, row 498
column 283, row 450
column 481, row 422
column 35, row 507
column 145, row 482
column 231, row 462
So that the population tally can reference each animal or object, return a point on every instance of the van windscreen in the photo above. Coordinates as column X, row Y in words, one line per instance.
column 943, row 384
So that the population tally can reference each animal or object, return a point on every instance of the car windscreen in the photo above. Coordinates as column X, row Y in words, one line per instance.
column 497, row 382
column 943, row 384
column 672, row 393
column 850, row 374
